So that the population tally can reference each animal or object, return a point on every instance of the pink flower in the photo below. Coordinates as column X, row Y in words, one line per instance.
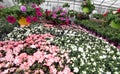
column 34, row 6
column 34, row 19
column 1, row 7
column 39, row 13
column 41, row 72
column 67, row 70
column 11, row 19
column 53, row 70
column 23, row 8
column 29, row 19
column 54, row 15
column 31, row 60
column 37, row 9
column 24, row 66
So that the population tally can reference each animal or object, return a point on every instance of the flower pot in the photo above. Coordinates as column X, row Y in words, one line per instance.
column 114, row 25
column 22, row 21
column 86, row 10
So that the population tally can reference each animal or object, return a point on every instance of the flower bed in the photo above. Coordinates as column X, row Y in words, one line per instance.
column 87, row 53
column 33, row 55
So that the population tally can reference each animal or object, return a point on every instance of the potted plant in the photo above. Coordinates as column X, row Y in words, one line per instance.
column 24, row 15
column 87, row 7
column 30, row 1
column 113, row 19
column 59, row 16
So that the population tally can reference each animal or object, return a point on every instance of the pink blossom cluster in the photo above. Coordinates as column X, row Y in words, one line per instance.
column 12, row 60
column 59, row 14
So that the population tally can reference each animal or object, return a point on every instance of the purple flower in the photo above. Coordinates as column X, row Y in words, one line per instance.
column 34, row 6
column 62, row 19
column 54, row 15
column 23, row 8
column 62, row 14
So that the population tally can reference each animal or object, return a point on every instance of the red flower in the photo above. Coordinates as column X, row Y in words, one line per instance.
column 11, row 19
column 47, row 12
column 39, row 13
column 105, row 14
column 37, row 9
column 118, row 10
column 34, row 19
column 29, row 19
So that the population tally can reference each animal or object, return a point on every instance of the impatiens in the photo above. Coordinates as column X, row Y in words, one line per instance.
column 33, row 55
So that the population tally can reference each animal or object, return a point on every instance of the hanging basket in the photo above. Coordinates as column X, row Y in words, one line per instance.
column 114, row 25
column 22, row 21
column 86, row 10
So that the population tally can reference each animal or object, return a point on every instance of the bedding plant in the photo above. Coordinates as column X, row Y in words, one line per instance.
column 85, row 50
column 33, row 55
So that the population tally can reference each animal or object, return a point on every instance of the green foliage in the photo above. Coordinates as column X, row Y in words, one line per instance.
column 72, row 13
column 81, row 16
column 104, row 31
column 87, row 3
column 31, row 1
column 97, row 16
column 16, row 12
column 5, row 27
column 66, row 5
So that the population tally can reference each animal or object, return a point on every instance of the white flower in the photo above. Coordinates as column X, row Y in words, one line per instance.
column 80, row 49
column 74, row 48
column 84, row 72
column 108, row 72
column 108, row 49
column 76, row 69
column 94, row 64
column 32, row 46
column 116, row 73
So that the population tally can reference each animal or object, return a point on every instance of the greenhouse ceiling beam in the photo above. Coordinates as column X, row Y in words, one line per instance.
column 113, row 3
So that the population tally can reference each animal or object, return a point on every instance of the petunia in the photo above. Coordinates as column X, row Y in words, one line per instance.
column 29, row 19
column 39, row 13
column 23, row 8
column 11, row 19
column 34, row 19
column 54, row 15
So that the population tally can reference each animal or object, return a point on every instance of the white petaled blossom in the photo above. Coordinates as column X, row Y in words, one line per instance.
column 80, row 49
column 108, row 72
column 116, row 73
column 76, row 70
column 84, row 72
column 33, row 46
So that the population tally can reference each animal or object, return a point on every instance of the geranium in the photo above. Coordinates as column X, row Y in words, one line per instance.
column 11, row 19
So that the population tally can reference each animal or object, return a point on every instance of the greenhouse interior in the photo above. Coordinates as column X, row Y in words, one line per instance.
column 59, row 36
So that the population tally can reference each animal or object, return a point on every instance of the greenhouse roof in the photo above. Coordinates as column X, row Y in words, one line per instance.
column 101, row 5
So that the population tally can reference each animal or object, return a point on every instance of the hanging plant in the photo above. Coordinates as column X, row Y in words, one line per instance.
column 87, row 7
column 31, row 1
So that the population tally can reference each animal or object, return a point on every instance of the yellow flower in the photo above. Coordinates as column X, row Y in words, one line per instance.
column 22, row 21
